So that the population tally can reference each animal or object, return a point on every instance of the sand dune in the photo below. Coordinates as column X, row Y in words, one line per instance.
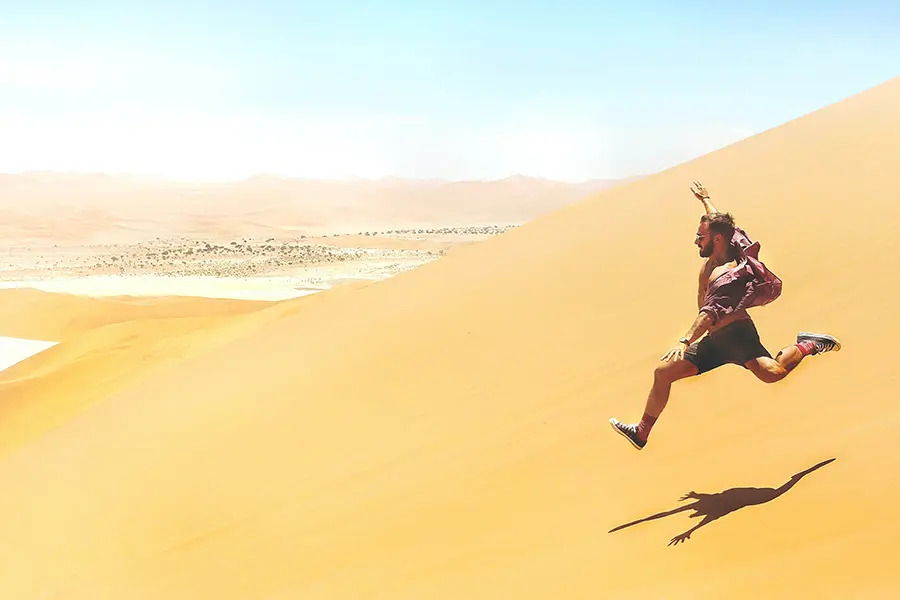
column 31, row 313
column 105, row 344
column 443, row 434
column 43, row 209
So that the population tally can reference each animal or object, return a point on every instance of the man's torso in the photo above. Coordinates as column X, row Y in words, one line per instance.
column 708, row 275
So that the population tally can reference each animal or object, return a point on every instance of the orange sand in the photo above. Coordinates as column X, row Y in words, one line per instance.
column 443, row 434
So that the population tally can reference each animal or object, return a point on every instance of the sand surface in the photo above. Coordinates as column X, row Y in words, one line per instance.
column 443, row 433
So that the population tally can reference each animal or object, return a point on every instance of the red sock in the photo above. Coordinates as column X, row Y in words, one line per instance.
column 645, row 426
column 807, row 347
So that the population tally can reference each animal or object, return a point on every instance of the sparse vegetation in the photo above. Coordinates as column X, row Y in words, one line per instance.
column 244, row 257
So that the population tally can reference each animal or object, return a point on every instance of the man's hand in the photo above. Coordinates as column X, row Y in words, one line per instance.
column 676, row 353
column 700, row 192
column 703, row 196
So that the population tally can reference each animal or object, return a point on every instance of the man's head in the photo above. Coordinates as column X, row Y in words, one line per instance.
column 714, row 234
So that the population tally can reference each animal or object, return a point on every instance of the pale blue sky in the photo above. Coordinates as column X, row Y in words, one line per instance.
column 566, row 90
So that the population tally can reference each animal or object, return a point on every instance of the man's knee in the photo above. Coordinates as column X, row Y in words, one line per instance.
column 769, row 371
column 669, row 372
column 769, row 377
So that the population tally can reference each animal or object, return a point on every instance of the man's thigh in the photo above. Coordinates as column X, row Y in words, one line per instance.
column 676, row 369
column 706, row 354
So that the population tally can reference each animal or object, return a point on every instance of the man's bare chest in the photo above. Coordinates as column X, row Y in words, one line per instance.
column 711, row 272
column 718, row 271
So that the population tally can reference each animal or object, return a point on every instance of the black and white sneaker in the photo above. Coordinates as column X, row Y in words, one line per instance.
column 630, row 432
column 823, row 342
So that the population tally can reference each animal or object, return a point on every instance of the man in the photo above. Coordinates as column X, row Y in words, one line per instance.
column 732, row 280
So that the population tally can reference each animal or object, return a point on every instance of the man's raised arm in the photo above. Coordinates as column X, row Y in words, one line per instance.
column 703, row 196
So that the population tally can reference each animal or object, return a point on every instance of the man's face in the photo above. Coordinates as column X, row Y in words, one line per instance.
column 705, row 240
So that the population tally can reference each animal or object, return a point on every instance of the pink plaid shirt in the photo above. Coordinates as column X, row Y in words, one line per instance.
column 747, row 284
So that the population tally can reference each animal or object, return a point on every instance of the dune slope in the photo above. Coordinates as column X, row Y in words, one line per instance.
column 106, row 344
column 443, row 434
column 32, row 313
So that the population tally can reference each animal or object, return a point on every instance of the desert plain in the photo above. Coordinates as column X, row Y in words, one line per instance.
column 388, row 390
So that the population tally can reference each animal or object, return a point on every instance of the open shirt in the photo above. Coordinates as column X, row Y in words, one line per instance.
column 745, row 285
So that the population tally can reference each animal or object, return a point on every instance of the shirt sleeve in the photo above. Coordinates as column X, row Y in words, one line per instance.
column 725, row 297
column 747, row 285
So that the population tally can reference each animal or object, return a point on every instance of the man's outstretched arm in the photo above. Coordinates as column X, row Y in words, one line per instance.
column 703, row 196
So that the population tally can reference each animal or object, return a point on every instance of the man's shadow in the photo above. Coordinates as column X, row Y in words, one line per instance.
column 715, row 506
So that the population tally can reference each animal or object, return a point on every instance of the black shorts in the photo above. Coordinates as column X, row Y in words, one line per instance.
column 735, row 343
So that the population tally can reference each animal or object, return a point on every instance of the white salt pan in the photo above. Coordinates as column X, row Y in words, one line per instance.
column 15, row 350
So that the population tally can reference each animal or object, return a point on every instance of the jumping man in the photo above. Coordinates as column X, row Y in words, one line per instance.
column 732, row 280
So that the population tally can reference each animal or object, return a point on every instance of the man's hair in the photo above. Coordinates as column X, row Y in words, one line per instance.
column 720, row 223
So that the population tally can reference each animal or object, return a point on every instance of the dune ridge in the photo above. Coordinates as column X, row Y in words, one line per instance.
column 442, row 434
column 104, row 345
column 32, row 313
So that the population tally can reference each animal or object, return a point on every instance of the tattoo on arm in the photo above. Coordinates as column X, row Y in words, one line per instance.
column 700, row 326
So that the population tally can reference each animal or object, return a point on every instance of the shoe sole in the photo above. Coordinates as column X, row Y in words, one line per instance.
column 830, row 338
column 612, row 423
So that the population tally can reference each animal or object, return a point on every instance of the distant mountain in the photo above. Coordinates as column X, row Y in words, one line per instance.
column 45, row 207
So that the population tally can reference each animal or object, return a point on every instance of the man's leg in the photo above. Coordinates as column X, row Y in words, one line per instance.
column 665, row 374
column 771, row 370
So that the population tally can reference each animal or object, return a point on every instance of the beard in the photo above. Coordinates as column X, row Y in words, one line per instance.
column 707, row 250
